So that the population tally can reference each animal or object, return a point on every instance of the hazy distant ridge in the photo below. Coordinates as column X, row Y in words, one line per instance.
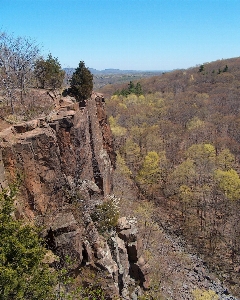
column 117, row 71
column 114, row 76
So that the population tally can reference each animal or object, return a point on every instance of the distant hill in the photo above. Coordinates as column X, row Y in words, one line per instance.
column 201, row 78
column 117, row 71
column 114, row 76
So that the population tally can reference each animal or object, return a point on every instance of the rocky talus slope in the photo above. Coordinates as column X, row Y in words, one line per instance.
column 65, row 162
column 176, row 270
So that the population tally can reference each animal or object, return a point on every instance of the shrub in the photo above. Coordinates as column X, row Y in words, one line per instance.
column 106, row 214
column 23, row 275
column 199, row 294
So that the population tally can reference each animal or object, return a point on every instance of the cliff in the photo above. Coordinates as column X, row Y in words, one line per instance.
column 65, row 162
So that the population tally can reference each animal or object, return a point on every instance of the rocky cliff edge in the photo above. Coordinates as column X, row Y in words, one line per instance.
column 65, row 162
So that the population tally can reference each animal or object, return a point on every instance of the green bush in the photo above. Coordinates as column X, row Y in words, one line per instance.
column 23, row 275
column 106, row 214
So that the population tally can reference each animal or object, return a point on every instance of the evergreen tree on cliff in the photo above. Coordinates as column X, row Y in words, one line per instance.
column 49, row 73
column 81, row 83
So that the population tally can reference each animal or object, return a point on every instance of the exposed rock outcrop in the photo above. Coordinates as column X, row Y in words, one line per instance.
column 60, row 152
column 66, row 162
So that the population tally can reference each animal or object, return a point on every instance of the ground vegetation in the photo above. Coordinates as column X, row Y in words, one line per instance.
column 23, row 275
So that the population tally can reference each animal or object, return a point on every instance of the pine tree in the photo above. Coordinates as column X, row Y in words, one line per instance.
column 201, row 68
column 23, row 275
column 131, row 88
column 49, row 72
column 138, row 89
column 225, row 69
column 81, row 84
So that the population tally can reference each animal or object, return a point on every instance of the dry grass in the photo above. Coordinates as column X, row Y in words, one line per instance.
column 36, row 103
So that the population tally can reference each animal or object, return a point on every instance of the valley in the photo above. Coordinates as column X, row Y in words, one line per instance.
column 171, row 141
column 113, row 76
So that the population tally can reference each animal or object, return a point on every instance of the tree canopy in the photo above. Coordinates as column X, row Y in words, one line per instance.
column 17, row 58
column 81, row 84
column 191, row 121
column 131, row 89
column 49, row 73
column 21, row 70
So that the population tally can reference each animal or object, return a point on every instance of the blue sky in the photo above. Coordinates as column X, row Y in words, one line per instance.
column 128, row 34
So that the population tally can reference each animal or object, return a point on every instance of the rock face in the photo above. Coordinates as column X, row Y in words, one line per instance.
column 57, row 153
column 66, row 162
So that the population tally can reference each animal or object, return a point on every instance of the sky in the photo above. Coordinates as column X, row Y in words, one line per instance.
column 128, row 34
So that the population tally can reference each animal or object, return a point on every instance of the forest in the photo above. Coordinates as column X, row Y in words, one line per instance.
column 179, row 143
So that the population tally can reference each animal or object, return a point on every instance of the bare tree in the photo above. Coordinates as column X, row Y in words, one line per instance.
column 17, row 58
